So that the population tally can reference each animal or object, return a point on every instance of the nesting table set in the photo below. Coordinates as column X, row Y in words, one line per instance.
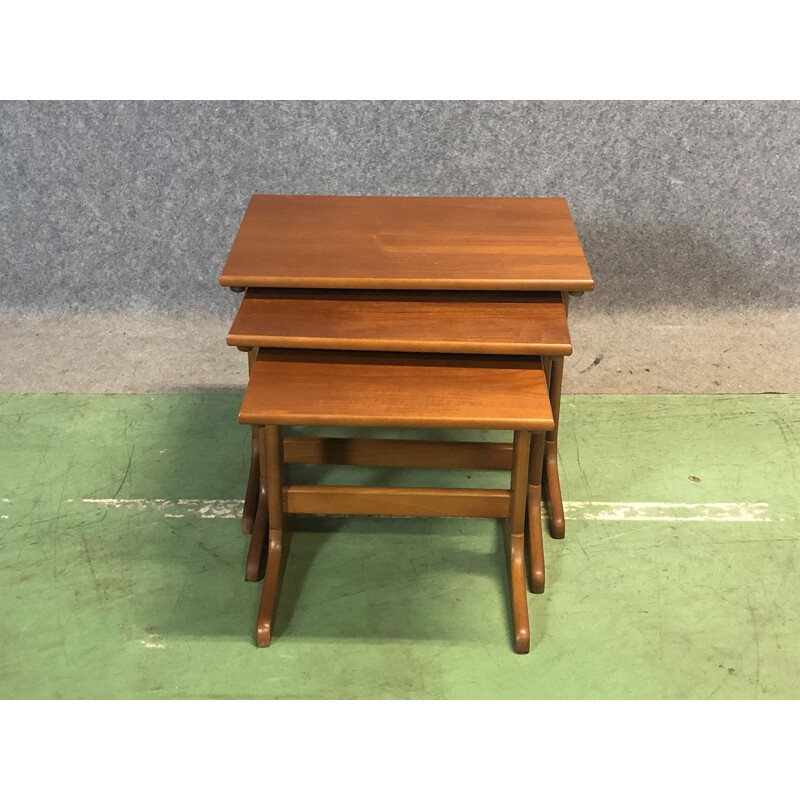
column 412, row 312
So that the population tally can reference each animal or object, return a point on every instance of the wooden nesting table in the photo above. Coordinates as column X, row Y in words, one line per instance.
column 410, row 390
column 454, row 243
column 482, row 277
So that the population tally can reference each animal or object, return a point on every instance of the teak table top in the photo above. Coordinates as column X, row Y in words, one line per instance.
column 451, row 243
column 329, row 387
column 506, row 323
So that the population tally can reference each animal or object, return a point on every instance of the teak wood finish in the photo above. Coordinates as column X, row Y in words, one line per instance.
column 335, row 258
column 452, row 243
column 343, row 380
column 251, row 494
column 504, row 323
column 427, row 243
column 421, row 390
column 440, row 322
column 398, row 501
column 554, row 371
column 398, row 453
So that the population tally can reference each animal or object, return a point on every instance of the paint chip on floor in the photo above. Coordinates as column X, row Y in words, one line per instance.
column 152, row 641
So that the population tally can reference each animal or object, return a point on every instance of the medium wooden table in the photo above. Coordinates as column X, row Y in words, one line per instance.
column 450, row 244
column 447, row 324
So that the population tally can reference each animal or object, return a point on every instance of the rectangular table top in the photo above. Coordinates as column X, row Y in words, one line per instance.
column 330, row 387
column 508, row 323
column 451, row 243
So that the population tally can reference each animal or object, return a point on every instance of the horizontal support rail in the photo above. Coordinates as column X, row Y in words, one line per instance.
column 397, row 501
column 397, row 453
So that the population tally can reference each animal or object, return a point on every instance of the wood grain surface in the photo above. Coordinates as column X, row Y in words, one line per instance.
column 415, row 501
column 445, row 322
column 329, row 387
column 397, row 453
column 486, row 243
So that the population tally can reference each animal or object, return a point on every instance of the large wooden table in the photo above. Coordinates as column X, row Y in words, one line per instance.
column 479, row 243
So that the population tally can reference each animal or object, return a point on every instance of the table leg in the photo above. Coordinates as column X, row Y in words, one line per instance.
column 252, row 494
column 254, row 566
column 271, row 450
column 535, row 544
column 515, row 542
column 552, row 482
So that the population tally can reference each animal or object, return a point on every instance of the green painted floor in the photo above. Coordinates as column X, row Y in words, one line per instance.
column 121, row 568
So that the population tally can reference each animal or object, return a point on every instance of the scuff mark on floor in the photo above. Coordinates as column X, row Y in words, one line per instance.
column 152, row 640
column 594, row 364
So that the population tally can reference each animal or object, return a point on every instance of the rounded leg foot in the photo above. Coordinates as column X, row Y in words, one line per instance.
column 553, row 485
column 263, row 634
column 269, row 593
column 522, row 643
column 519, row 599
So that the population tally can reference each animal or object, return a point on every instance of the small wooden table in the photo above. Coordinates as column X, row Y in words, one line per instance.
column 451, row 244
column 327, row 387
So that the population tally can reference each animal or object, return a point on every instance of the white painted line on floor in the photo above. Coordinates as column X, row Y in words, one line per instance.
column 666, row 512
column 590, row 510
column 205, row 509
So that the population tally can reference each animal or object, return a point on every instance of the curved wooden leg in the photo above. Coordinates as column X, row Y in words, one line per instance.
column 271, row 447
column 519, row 598
column 269, row 594
column 553, row 486
column 516, row 542
column 552, row 483
column 535, row 544
column 251, row 498
column 254, row 566
column 251, row 495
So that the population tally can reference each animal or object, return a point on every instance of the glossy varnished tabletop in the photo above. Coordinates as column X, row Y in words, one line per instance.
column 506, row 323
column 450, row 243
column 329, row 387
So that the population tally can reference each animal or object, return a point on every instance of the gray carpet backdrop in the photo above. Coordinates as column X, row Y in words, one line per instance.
column 132, row 206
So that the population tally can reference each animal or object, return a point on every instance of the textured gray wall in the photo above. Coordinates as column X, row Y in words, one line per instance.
column 133, row 205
